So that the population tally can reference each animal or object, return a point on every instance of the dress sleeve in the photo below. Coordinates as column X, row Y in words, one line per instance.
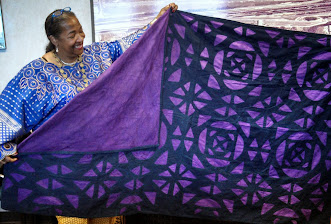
column 105, row 53
column 11, row 119
column 127, row 41
column 19, row 110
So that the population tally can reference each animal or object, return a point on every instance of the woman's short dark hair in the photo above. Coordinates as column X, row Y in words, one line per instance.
column 53, row 25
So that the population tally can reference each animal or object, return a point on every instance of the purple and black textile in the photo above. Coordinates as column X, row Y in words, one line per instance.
column 201, row 117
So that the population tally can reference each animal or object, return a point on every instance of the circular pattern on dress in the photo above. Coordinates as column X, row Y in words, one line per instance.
column 96, row 48
column 28, row 72
column 88, row 59
column 50, row 68
column 49, row 86
column 42, row 77
column 76, row 74
column 91, row 76
column 98, row 58
column 105, row 54
column 32, row 83
column 38, row 63
column 55, row 78
column 105, row 67
column 64, row 88
column 96, row 66
column 7, row 147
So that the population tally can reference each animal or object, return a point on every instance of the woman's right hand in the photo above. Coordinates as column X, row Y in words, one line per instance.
column 173, row 7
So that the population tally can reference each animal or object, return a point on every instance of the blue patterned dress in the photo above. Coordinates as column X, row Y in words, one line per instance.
column 39, row 90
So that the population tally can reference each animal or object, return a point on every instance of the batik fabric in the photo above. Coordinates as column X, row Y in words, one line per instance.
column 243, row 116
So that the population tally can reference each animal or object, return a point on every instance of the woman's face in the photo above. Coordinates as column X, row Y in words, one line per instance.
column 70, row 41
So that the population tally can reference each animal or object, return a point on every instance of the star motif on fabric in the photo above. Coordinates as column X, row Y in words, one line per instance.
column 232, row 101
column 252, row 189
column 214, row 188
column 291, row 190
column 98, row 190
column 255, row 149
column 185, row 102
column 177, row 177
column 261, row 112
column 138, row 171
column 179, row 137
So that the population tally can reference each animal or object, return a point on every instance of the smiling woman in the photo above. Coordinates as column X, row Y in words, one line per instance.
column 68, row 44
column 2, row 33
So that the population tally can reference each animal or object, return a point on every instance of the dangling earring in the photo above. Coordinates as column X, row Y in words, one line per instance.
column 56, row 49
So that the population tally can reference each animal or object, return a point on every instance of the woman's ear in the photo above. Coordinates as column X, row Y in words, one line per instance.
column 53, row 40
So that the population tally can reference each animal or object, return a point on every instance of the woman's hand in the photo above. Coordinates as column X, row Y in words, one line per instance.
column 173, row 7
column 8, row 159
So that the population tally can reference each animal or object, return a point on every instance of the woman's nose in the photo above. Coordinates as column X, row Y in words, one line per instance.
column 80, row 37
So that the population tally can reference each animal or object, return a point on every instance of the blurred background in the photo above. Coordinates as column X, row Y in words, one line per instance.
column 114, row 18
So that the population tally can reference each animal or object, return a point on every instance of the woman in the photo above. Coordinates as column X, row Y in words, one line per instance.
column 46, row 84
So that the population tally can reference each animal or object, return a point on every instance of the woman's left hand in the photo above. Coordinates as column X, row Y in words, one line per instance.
column 8, row 159
column 173, row 7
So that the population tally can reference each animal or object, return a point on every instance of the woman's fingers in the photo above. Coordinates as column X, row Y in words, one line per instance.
column 8, row 159
column 173, row 7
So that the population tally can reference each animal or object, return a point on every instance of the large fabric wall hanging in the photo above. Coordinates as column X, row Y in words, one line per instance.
column 202, row 117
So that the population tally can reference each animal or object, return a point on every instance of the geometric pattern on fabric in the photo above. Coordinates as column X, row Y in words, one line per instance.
column 8, row 134
column 245, row 131
column 127, row 41
column 8, row 127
